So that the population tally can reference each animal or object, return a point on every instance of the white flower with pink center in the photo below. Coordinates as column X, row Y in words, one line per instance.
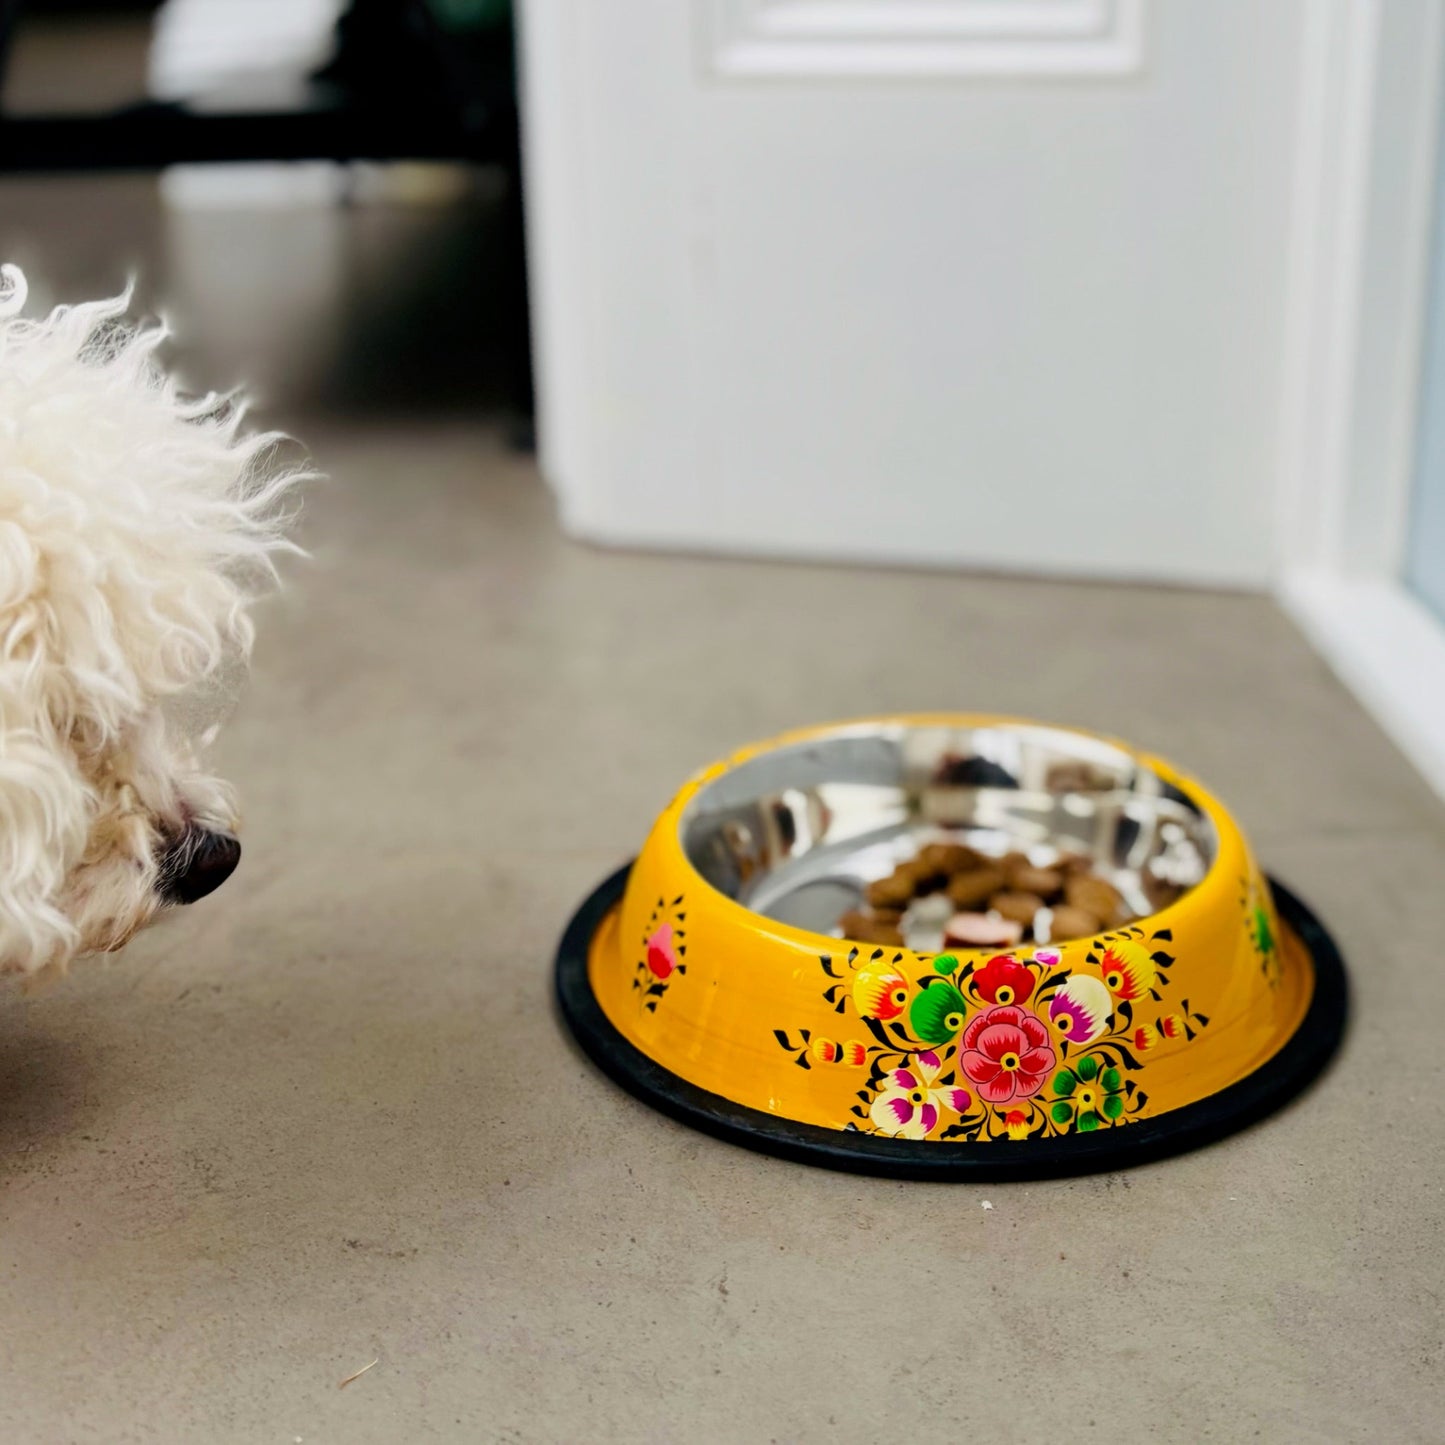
column 911, row 1102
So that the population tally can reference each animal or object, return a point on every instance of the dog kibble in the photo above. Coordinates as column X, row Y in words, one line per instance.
column 1020, row 907
column 1094, row 895
column 895, row 891
column 952, row 896
column 1070, row 922
column 1043, row 881
column 862, row 928
column 924, row 877
column 949, row 858
column 970, row 890
column 981, row 930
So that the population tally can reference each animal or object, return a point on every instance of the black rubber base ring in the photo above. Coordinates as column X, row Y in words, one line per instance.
column 1300, row 1060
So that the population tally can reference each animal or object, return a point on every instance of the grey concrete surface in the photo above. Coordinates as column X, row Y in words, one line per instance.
column 328, row 1116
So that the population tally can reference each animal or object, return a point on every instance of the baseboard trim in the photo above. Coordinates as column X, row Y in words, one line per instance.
column 1388, row 648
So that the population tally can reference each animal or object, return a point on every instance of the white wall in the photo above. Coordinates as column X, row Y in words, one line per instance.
column 1025, row 322
column 1359, row 277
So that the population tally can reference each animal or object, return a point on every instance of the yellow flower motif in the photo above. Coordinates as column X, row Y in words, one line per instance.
column 1128, row 968
column 828, row 1051
column 880, row 992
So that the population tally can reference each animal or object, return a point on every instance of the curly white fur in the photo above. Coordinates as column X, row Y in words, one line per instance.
column 136, row 527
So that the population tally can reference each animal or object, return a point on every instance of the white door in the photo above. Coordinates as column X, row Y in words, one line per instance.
column 998, row 283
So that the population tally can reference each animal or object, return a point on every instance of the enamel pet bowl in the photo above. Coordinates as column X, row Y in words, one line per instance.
column 711, row 977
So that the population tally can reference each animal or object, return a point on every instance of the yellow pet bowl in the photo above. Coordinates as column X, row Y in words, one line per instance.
column 711, row 979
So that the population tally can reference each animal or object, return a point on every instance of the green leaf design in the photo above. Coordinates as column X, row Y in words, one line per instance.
column 1111, row 1079
column 937, row 1014
column 1113, row 1106
column 1263, row 934
column 1087, row 1068
column 1064, row 1082
column 945, row 963
column 1088, row 1121
column 1062, row 1113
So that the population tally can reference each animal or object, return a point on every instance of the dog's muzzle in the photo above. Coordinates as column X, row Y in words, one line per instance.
column 197, row 863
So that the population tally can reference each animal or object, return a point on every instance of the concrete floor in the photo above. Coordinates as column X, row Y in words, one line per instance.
column 328, row 1116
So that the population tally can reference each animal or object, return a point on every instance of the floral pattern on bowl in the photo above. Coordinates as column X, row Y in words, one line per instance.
column 1020, row 1046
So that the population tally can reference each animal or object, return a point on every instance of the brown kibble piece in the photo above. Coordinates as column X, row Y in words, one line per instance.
column 1095, row 896
column 1043, row 881
column 855, row 919
column 948, row 858
column 979, row 930
column 1020, row 907
column 862, row 928
column 975, row 888
column 922, row 877
column 1070, row 922
column 883, row 936
column 894, row 891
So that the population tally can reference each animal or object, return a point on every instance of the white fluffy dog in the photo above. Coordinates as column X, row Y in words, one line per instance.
column 135, row 530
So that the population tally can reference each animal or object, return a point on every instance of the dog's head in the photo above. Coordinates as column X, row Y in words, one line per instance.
column 135, row 530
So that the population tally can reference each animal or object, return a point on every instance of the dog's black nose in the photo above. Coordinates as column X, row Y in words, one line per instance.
column 197, row 864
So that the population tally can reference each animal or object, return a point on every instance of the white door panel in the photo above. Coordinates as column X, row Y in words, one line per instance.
column 964, row 317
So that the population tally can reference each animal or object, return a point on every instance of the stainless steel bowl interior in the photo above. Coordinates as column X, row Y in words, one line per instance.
column 796, row 834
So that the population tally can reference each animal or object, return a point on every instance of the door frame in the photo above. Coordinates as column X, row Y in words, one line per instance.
column 1369, row 127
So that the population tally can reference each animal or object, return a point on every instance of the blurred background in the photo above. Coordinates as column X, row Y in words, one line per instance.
column 341, row 287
